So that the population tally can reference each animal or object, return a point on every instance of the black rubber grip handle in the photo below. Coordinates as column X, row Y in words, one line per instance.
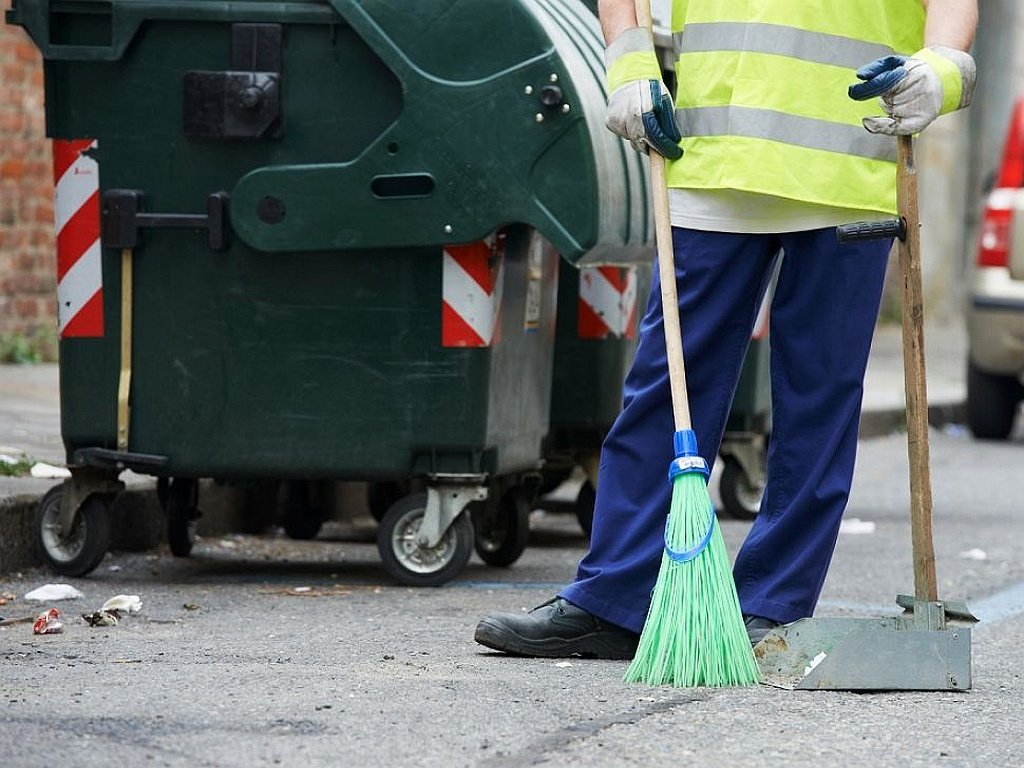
column 872, row 230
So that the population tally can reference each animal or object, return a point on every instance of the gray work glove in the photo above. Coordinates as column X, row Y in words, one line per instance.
column 640, row 107
column 917, row 89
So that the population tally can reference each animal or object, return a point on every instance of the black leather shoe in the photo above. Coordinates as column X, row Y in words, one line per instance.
column 556, row 629
column 758, row 627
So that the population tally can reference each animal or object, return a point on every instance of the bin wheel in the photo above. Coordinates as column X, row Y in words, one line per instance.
column 585, row 507
column 409, row 562
column 303, row 517
column 502, row 528
column 81, row 550
column 181, row 508
column 551, row 478
column 741, row 496
column 259, row 505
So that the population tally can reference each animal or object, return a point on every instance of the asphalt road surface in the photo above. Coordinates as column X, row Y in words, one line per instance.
column 263, row 651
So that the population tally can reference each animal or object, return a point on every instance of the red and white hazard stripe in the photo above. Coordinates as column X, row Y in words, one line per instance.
column 77, row 217
column 607, row 302
column 472, row 278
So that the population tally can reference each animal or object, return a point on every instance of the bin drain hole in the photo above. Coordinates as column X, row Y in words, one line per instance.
column 270, row 210
column 393, row 148
column 405, row 185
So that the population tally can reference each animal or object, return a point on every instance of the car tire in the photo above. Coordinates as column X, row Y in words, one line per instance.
column 992, row 401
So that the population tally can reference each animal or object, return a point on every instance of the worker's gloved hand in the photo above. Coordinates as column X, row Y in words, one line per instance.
column 640, row 107
column 917, row 89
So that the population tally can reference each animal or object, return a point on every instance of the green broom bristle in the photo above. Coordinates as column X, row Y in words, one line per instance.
column 694, row 633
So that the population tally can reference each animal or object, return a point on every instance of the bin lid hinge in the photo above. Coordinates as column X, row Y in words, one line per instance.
column 243, row 102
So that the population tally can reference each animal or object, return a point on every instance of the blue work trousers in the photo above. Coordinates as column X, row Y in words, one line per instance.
column 822, row 319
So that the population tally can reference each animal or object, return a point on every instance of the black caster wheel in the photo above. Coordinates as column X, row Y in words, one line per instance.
column 182, row 510
column 741, row 496
column 303, row 515
column 406, row 558
column 381, row 496
column 260, row 503
column 502, row 527
column 81, row 549
column 551, row 478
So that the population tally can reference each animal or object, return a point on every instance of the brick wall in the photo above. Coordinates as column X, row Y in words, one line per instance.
column 27, row 271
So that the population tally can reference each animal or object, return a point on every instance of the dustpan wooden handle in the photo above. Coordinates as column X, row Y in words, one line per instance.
column 667, row 268
column 925, row 587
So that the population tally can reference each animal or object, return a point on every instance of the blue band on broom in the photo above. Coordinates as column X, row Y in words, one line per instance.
column 687, row 460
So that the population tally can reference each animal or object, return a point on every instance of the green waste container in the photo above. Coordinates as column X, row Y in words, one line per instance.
column 282, row 190
column 598, row 313
column 599, row 309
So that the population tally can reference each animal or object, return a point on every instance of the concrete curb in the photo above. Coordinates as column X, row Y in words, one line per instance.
column 886, row 421
column 137, row 523
column 135, row 520
column 17, row 539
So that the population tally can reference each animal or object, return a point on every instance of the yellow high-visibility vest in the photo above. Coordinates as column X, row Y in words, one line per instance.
column 762, row 102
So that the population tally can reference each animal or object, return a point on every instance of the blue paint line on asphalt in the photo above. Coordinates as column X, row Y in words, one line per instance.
column 1002, row 605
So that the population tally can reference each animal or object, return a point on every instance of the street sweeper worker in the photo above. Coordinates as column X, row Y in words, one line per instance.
column 769, row 148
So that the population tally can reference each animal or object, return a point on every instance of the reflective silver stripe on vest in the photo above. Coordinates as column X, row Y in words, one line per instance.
column 776, row 39
column 754, row 123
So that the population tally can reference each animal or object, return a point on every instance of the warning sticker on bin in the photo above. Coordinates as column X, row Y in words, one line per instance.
column 607, row 303
column 76, row 211
column 472, row 281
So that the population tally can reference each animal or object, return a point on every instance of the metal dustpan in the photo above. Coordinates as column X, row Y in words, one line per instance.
column 922, row 650
column 928, row 648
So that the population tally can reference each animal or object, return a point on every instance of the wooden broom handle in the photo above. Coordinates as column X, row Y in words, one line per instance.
column 666, row 267
column 925, row 587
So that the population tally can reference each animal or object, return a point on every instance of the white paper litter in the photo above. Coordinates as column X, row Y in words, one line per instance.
column 854, row 525
column 123, row 603
column 51, row 592
column 974, row 554
column 42, row 469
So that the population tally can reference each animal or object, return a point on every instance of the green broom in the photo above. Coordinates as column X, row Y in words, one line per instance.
column 694, row 633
